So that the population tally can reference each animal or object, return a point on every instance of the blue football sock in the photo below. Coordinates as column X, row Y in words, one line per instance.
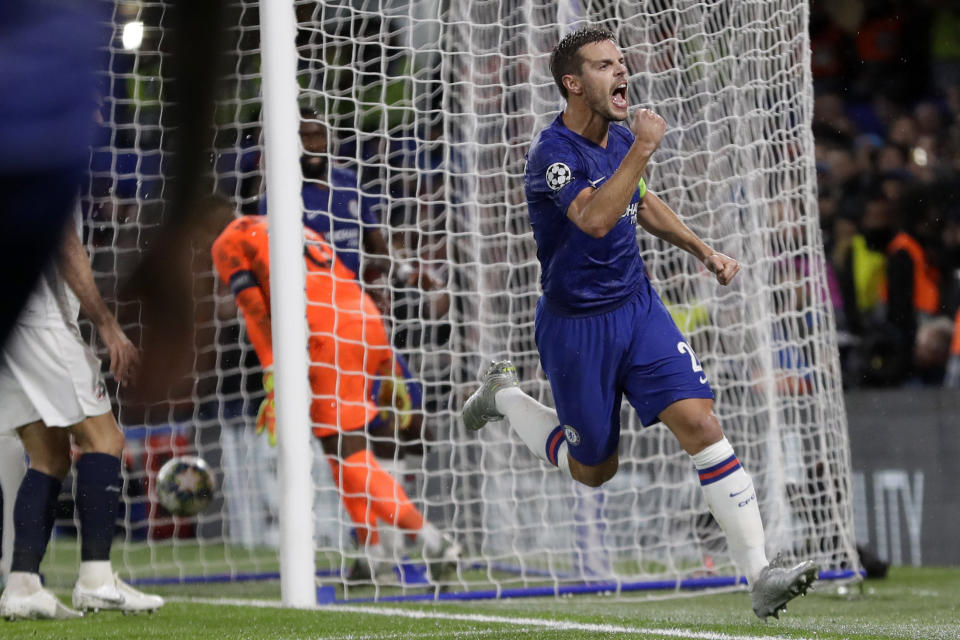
column 98, row 496
column 33, row 514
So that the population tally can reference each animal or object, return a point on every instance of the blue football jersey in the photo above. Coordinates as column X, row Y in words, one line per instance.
column 580, row 274
column 341, row 214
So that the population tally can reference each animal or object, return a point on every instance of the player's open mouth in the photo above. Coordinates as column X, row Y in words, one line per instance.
column 620, row 96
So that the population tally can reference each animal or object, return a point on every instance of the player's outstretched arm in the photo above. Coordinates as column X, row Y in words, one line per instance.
column 75, row 265
column 597, row 211
column 660, row 220
column 232, row 262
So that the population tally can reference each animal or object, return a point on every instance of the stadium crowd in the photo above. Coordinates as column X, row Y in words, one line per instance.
column 887, row 133
column 886, row 128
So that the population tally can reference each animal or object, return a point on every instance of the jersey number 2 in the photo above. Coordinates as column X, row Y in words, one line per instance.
column 683, row 347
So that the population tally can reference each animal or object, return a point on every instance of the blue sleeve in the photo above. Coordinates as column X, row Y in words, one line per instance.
column 262, row 205
column 556, row 170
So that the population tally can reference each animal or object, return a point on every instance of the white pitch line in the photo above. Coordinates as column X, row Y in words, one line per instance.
column 413, row 636
column 554, row 625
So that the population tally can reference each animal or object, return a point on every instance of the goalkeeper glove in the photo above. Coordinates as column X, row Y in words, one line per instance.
column 265, row 416
column 394, row 397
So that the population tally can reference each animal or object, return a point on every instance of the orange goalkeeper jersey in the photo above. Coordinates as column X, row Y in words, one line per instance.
column 348, row 344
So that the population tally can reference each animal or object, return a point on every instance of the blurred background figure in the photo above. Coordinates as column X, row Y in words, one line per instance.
column 45, row 131
column 887, row 131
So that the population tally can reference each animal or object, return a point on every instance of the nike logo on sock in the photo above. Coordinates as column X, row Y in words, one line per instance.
column 735, row 494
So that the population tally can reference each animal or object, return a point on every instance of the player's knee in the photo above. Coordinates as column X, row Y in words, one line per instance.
column 593, row 479
column 110, row 443
column 705, row 430
column 596, row 475
column 49, row 451
column 53, row 460
column 52, row 464
column 97, row 435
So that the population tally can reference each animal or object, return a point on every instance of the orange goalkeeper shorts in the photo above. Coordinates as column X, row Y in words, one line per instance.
column 342, row 369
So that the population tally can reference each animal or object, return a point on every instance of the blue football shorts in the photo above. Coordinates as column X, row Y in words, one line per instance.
column 592, row 361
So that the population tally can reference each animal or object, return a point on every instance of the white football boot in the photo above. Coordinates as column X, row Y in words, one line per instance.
column 778, row 584
column 442, row 561
column 25, row 598
column 112, row 594
column 481, row 407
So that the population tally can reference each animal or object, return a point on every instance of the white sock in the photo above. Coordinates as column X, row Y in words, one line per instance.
column 430, row 538
column 537, row 425
column 94, row 573
column 730, row 495
column 23, row 582
column 12, row 468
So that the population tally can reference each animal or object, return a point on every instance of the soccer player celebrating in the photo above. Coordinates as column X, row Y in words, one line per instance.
column 348, row 351
column 51, row 389
column 601, row 329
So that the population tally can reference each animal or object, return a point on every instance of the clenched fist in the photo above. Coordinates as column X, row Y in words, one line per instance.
column 723, row 266
column 648, row 129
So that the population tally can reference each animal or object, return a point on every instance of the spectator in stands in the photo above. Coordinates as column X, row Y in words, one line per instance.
column 944, row 39
column 888, row 151
column 952, row 378
column 931, row 351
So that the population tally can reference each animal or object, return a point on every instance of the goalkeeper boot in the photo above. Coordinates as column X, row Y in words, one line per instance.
column 25, row 598
column 481, row 407
column 778, row 584
column 445, row 559
column 113, row 595
column 360, row 570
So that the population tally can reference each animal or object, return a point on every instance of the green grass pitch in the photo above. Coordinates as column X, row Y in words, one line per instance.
column 910, row 603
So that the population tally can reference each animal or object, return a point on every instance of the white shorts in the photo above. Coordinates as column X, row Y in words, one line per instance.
column 49, row 374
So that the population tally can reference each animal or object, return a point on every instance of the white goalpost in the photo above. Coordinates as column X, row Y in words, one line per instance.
column 431, row 105
column 288, row 304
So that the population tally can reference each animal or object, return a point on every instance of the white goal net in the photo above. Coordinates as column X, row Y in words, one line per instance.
column 432, row 105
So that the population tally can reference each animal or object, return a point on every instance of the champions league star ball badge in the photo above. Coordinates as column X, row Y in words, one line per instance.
column 185, row 485
column 571, row 434
column 558, row 174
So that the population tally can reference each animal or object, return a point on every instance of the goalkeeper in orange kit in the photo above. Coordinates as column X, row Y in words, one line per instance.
column 349, row 350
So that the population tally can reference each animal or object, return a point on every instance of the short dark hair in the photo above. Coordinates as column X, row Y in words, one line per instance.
column 566, row 58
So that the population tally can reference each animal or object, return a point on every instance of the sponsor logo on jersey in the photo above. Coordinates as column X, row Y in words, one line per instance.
column 343, row 234
column 631, row 212
column 571, row 434
column 558, row 174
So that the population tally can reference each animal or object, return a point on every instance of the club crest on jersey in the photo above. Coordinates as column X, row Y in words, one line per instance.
column 571, row 434
column 558, row 174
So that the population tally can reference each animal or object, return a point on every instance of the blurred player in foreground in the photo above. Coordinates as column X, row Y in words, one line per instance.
column 51, row 389
column 601, row 329
column 348, row 351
